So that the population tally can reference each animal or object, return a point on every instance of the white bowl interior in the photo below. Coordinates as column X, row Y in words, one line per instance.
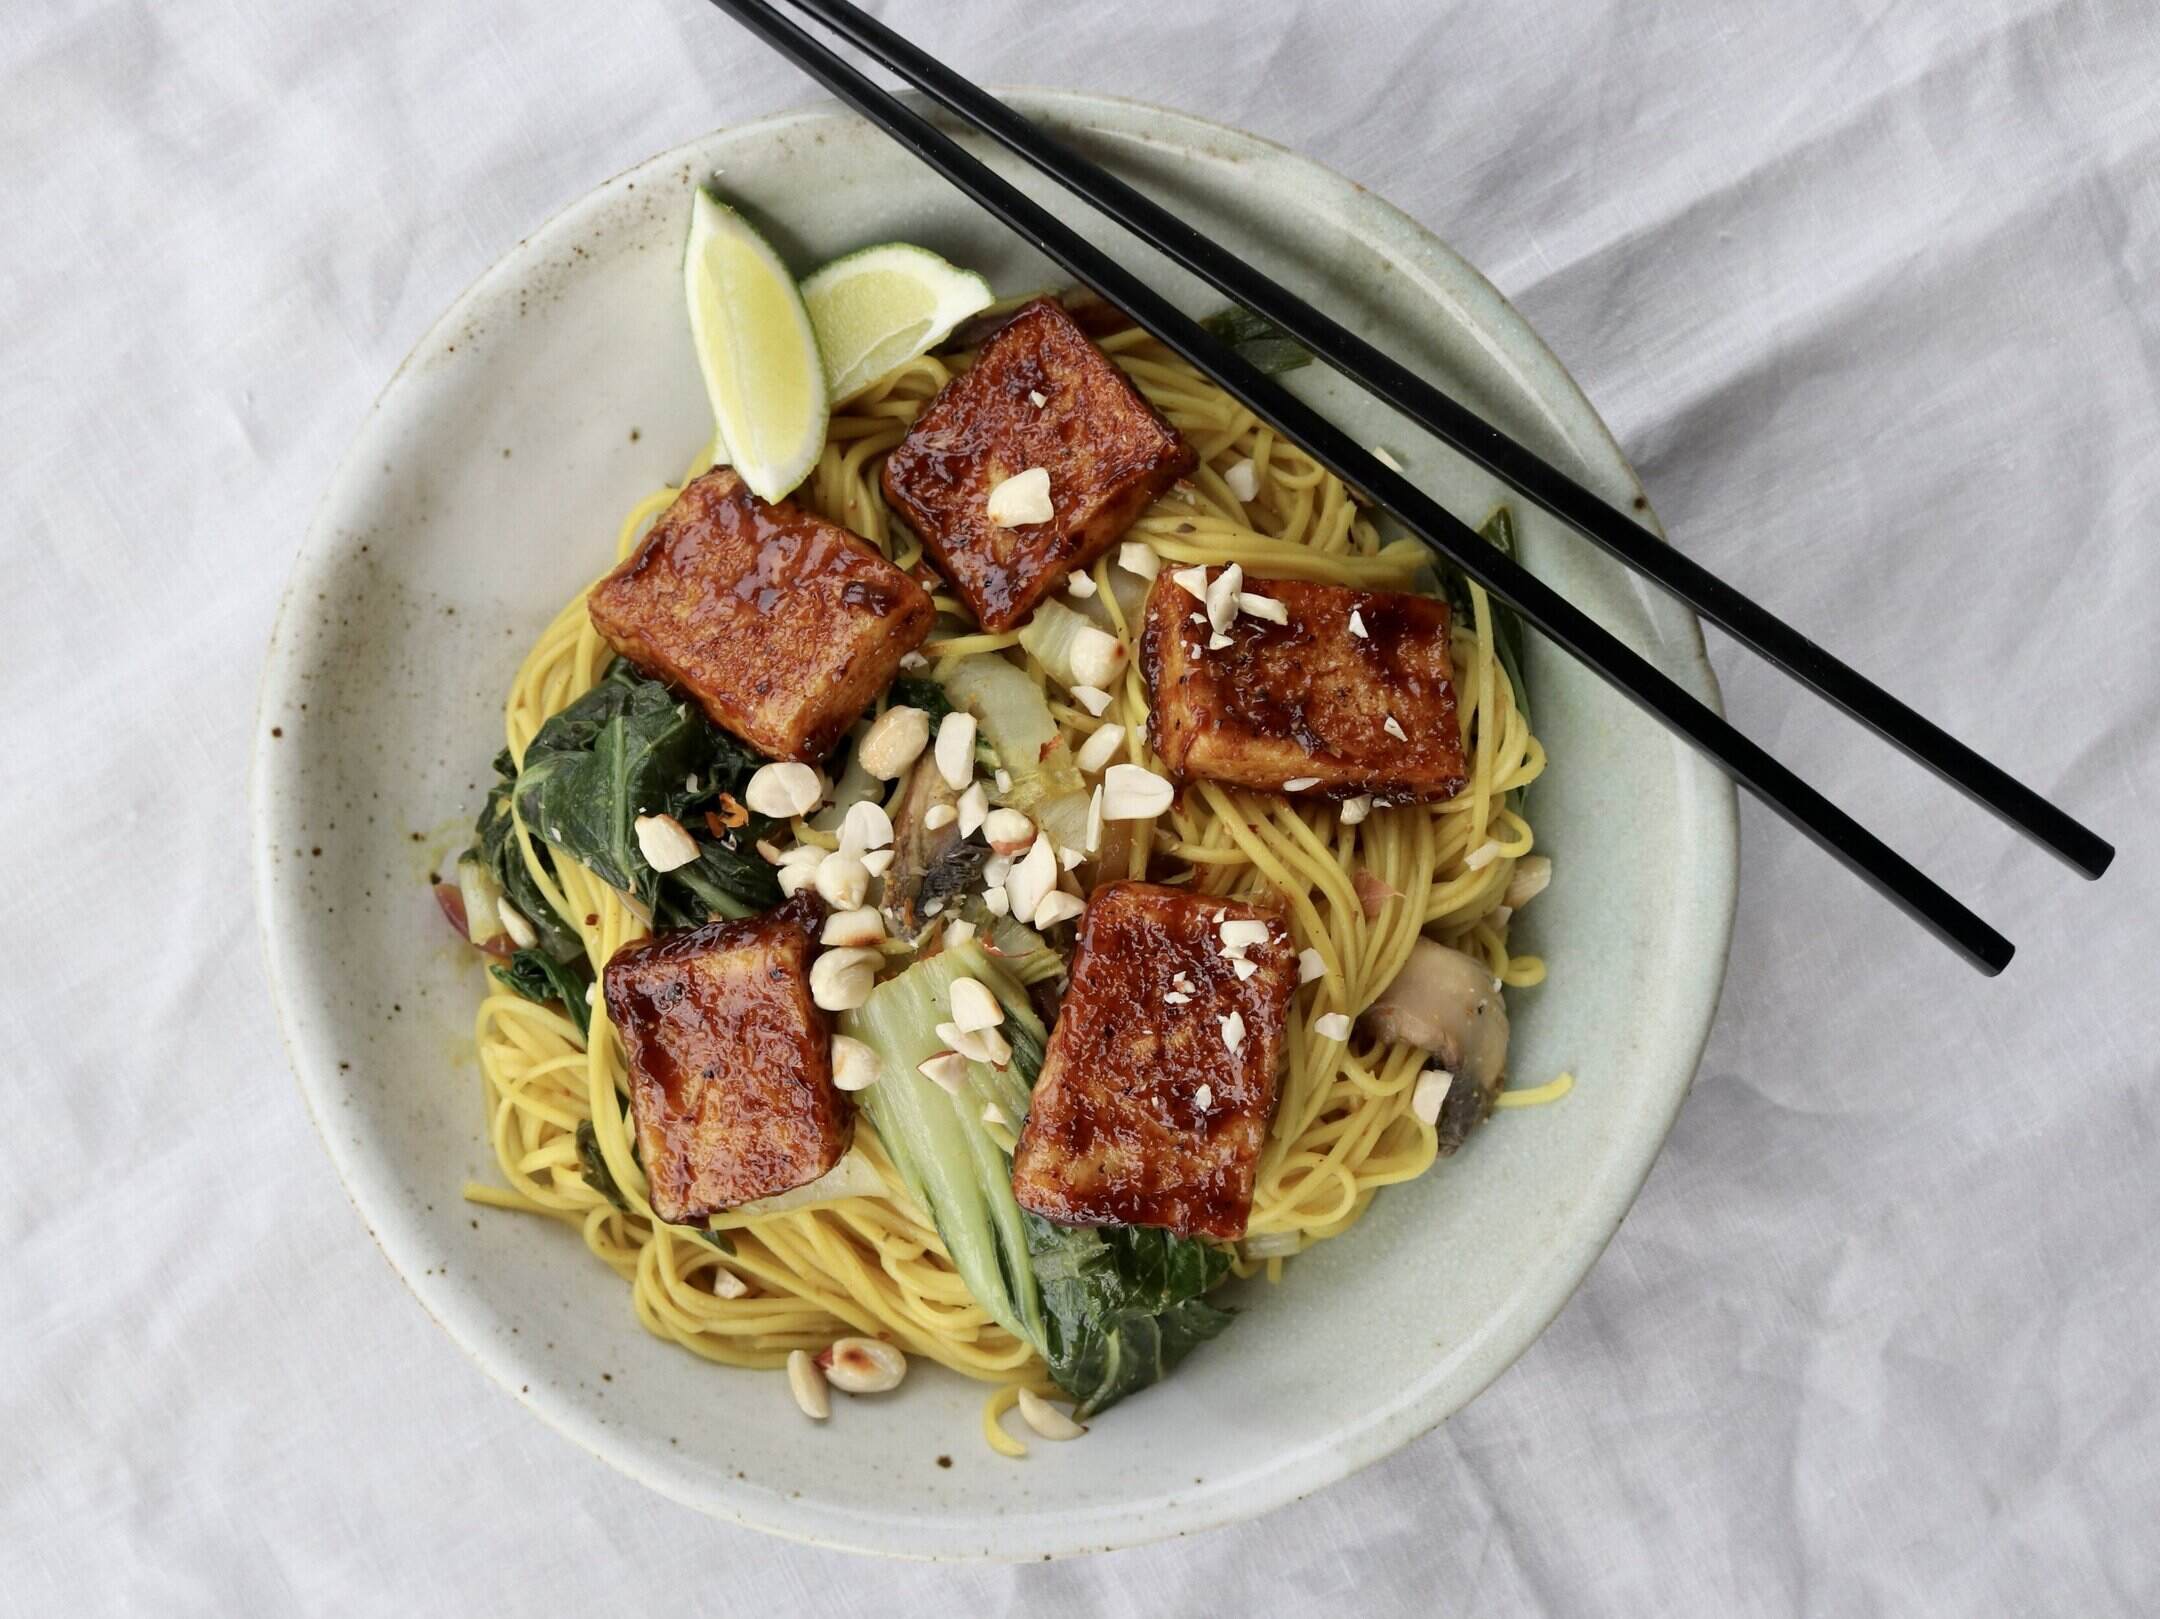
column 486, row 487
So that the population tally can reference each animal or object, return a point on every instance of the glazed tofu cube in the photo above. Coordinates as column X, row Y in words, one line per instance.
column 1107, row 452
column 730, row 1062
column 783, row 626
column 1354, row 694
column 1157, row 1088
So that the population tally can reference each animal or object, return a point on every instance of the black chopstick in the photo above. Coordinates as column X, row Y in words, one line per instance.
column 1896, row 878
column 1754, row 626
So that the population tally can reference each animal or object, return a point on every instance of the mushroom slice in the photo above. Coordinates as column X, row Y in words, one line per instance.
column 1449, row 1004
column 918, row 847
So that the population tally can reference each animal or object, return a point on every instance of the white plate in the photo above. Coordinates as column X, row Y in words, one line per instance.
column 486, row 487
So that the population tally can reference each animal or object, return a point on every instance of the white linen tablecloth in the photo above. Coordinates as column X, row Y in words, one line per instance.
column 1868, row 290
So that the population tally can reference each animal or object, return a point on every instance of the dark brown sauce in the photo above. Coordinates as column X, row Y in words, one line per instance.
column 1312, row 683
column 794, row 548
column 1123, row 1135
column 730, row 1086
column 1106, row 449
column 696, row 1014
column 781, row 624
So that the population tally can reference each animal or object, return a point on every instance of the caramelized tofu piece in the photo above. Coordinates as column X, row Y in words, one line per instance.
column 1146, row 1113
column 782, row 625
column 1107, row 452
column 1310, row 701
column 730, row 1062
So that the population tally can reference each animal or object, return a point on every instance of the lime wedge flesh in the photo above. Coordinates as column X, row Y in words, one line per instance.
column 879, row 308
column 757, row 349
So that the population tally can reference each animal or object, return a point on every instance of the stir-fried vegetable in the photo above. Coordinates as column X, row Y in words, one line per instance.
column 1071, row 647
column 538, row 976
column 1259, row 341
column 937, row 1140
column 1110, row 1310
column 855, row 786
column 1016, row 722
column 1498, row 531
column 496, row 859
column 917, row 691
column 628, row 747
column 1123, row 1304
column 592, row 1165
column 853, row 1176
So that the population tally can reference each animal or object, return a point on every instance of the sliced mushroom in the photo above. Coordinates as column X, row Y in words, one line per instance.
column 1047, row 997
column 1449, row 1004
column 954, row 885
column 1112, row 858
column 917, row 846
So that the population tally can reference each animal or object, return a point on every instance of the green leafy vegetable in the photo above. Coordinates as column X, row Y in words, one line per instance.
column 1258, row 341
column 538, row 976
column 1017, row 723
column 631, row 747
column 1122, row 1304
column 593, row 1163
column 726, row 879
column 628, row 747
column 1498, row 531
column 1029, row 1043
column 938, row 1142
column 497, row 849
column 1111, row 1310
column 916, row 691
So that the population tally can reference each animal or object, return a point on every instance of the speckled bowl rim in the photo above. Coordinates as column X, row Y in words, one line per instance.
column 1301, row 1472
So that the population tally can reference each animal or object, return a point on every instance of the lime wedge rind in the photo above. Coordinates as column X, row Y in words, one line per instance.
column 757, row 349
column 879, row 307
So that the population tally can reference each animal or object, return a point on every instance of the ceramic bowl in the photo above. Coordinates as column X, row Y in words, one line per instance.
column 485, row 488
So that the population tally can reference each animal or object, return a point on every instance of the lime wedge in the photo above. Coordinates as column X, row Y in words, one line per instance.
column 757, row 349
column 881, row 306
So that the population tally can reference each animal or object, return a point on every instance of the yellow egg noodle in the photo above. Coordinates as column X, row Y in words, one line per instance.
column 875, row 1265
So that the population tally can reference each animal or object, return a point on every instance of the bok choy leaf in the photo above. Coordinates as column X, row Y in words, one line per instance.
column 1123, row 1305
column 496, row 847
column 938, row 1141
column 626, row 748
column 919, row 691
column 538, row 976
column 1259, row 341
column 1111, row 1310
column 592, row 1165
column 1017, row 724
column 1498, row 531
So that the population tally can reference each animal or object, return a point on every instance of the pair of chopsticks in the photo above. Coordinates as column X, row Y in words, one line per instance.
column 1897, row 879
